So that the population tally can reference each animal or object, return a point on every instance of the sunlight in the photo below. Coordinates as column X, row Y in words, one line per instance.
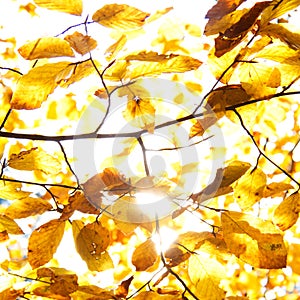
column 164, row 238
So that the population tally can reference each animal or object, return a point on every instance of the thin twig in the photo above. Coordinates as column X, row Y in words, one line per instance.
column 144, row 156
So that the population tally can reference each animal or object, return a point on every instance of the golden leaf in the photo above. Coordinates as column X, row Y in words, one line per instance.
column 73, row 7
column 99, row 293
column 140, row 113
column 177, row 64
column 82, row 44
column 35, row 159
column 205, row 273
column 112, row 51
column 27, row 207
column 91, row 243
column 154, row 296
column 277, row 9
column 275, row 188
column 120, row 16
column 255, row 241
column 201, row 125
column 64, row 284
column 250, row 188
column 45, row 48
column 222, row 182
column 9, row 225
column 287, row 212
column 158, row 14
column 117, row 71
column 12, row 190
column 150, row 56
column 11, row 294
column 144, row 256
column 282, row 33
column 34, row 87
column 44, row 241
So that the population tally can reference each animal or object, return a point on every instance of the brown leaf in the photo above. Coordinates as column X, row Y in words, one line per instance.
column 154, row 296
column 144, row 256
column 201, row 125
column 64, row 284
column 120, row 16
column 73, row 7
column 35, row 159
column 250, row 188
column 287, row 212
column 122, row 290
column 46, row 47
column 91, row 243
column 275, row 188
column 44, row 241
column 9, row 225
column 255, row 241
column 235, row 34
column 27, row 207
column 11, row 294
column 150, row 56
column 81, row 43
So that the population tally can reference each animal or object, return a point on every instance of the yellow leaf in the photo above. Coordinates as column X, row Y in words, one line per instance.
column 95, row 291
column 34, row 87
column 27, row 207
column 91, row 243
column 154, row 296
column 9, row 225
column 12, row 190
column 250, row 188
column 222, row 182
column 144, row 256
column 150, row 56
column 277, row 9
column 45, row 48
column 81, row 43
column 282, row 33
column 112, row 51
column 140, row 113
column 287, row 212
column 201, row 125
column 35, row 159
column 158, row 14
column 120, row 16
column 73, row 7
column 177, row 64
column 205, row 273
column 44, row 241
column 11, row 294
column 255, row 241
column 117, row 71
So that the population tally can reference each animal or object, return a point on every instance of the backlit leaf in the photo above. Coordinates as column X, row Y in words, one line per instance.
column 73, row 7
column 9, row 225
column 44, row 241
column 154, row 296
column 150, row 56
column 45, row 48
column 34, row 87
column 223, row 180
column 35, row 159
column 255, row 241
column 140, row 113
column 81, row 43
column 11, row 294
column 287, row 212
column 120, row 16
column 144, row 256
column 27, row 207
column 112, row 51
column 91, row 243
column 177, row 64
column 12, row 190
column 201, row 125
column 276, row 188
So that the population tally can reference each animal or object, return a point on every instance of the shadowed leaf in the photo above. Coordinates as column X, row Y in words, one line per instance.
column 144, row 256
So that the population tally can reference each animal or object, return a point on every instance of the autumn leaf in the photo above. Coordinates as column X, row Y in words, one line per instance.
column 44, row 241
column 9, row 225
column 150, row 56
column 275, row 188
column 12, row 190
column 27, row 207
column 35, row 159
column 201, row 125
column 255, row 241
column 250, row 188
column 112, row 51
column 287, row 212
column 11, row 294
column 140, row 113
column 91, row 243
column 82, row 44
column 154, row 296
column 122, row 290
column 177, row 64
column 144, row 256
column 120, row 16
column 34, row 87
column 73, row 7
column 45, row 48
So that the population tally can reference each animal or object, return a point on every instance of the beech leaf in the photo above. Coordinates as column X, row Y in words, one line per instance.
column 120, row 16
column 44, row 241
column 253, row 240
column 81, row 43
column 73, row 7
column 144, row 256
column 9, row 225
column 46, row 47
